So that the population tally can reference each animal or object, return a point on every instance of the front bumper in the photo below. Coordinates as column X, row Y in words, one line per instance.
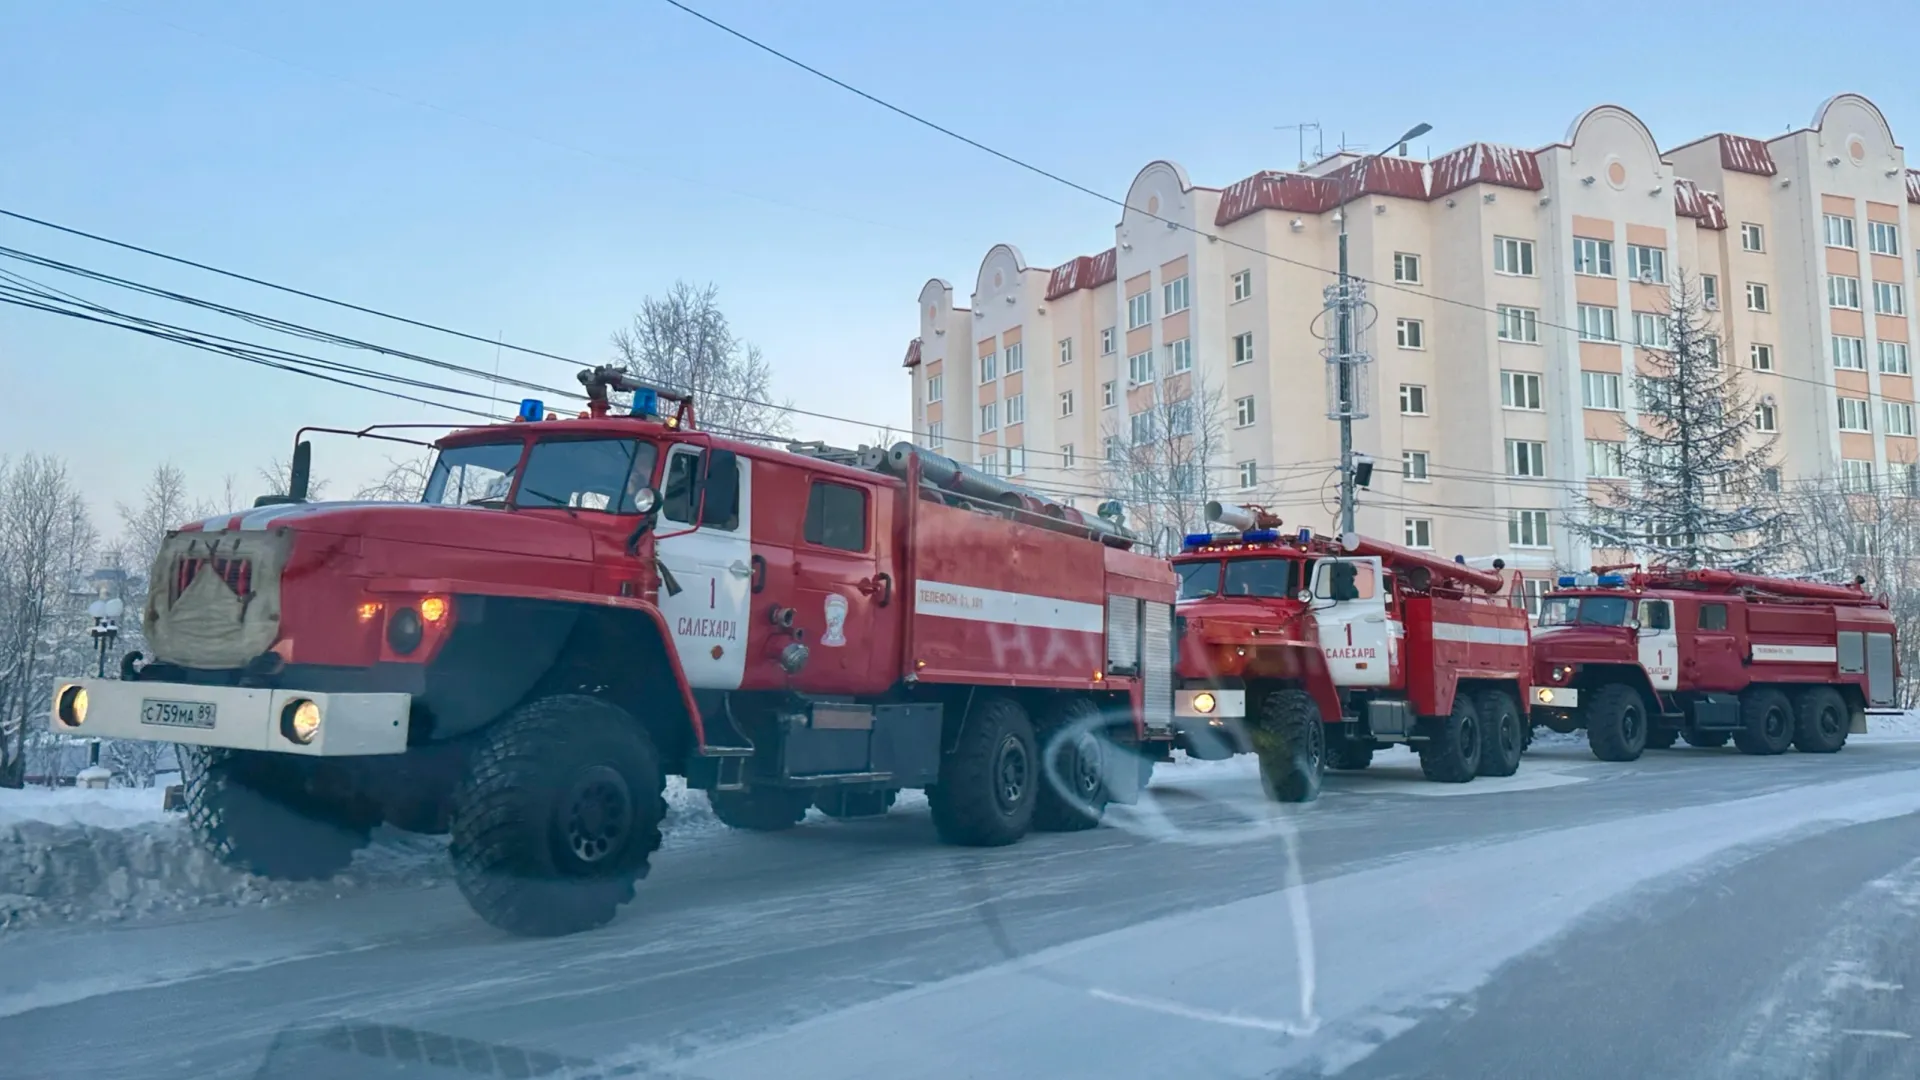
column 241, row 718
column 1556, row 697
column 1217, row 733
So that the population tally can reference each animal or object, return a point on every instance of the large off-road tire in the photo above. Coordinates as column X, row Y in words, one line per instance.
column 1452, row 754
column 1348, row 755
column 253, row 811
column 1291, row 744
column 760, row 809
column 1616, row 722
column 1661, row 737
column 1503, row 733
column 555, row 816
column 1768, row 719
column 1074, row 792
column 1821, row 720
column 989, row 781
column 842, row 805
column 1706, row 740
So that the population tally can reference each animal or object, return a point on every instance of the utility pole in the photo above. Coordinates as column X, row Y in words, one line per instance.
column 1345, row 296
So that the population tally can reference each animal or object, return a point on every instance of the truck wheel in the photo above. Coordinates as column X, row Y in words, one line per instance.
column 1617, row 723
column 1769, row 722
column 1662, row 738
column 988, row 782
column 1291, row 743
column 848, row 805
column 1820, row 720
column 760, row 809
column 253, row 812
column 1504, row 733
column 1077, row 757
column 1707, row 740
column 556, row 815
column 1452, row 754
column 1348, row 755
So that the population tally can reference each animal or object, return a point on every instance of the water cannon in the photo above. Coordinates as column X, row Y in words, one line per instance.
column 646, row 396
column 1241, row 517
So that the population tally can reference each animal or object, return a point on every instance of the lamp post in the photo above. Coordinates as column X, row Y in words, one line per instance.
column 1344, row 352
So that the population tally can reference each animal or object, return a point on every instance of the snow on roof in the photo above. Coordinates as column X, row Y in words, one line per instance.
column 1913, row 185
column 1704, row 207
column 1742, row 154
column 1403, row 178
column 1085, row 272
column 913, row 354
column 1485, row 163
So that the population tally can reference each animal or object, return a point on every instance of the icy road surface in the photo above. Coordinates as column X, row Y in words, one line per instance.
column 1695, row 913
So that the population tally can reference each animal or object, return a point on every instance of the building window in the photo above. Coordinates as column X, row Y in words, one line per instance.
column 1519, row 324
column 1413, row 400
column 1856, row 475
column 1839, row 231
column 1519, row 390
column 1853, row 414
column 1900, row 476
column 1893, row 358
column 990, row 416
column 936, row 434
column 1242, row 285
column 1106, row 341
column 1419, row 532
column 1770, row 478
column 1140, row 427
column 1016, row 409
column 1174, row 295
column 1409, row 334
column 1015, row 358
column 1066, row 403
column 1605, row 460
column 1889, row 298
column 1243, row 348
column 1066, row 455
column 1180, row 417
column 1647, row 264
column 1527, row 528
column 1760, row 357
column 1600, row 390
column 1249, row 474
column 1766, row 418
column 1180, row 354
column 935, row 388
column 1511, row 256
column 1243, row 412
column 1843, row 291
column 1899, row 417
column 1849, row 353
column 1413, row 466
column 1710, row 291
column 1752, row 237
column 989, row 367
column 1883, row 238
column 1593, row 258
column 1650, row 331
column 1066, row 350
column 1757, row 297
column 1597, row 323
column 1016, row 460
column 1109, row 393
column 1526, row 458
column 1115, row 448
column 1406, row 268
column 1712, row 342
column 1139, row 310
column 1140, row 368
column 990, row 463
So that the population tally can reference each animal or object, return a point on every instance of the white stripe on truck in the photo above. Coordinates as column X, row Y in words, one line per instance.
column 975, row 604
column 1802, row 654
column 1478, row 635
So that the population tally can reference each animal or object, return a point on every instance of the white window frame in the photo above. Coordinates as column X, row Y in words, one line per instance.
column 1519, row 324
column 1140, row 368
column 1598, row 323
column 1526, row 459
column 1066, row 350
column 1856, row 474
column 1406, row 268
column 1242, row 285
column 1766, row 417
column 989, row 367
column 1854, row 414
column 936, row 389
column 1900, row 477
column 1016, row 460
column 1175, row 296
column 1895, row 359
column 1528, row 529
column 1760, row 357
column 1243, row 348
column 1753, row 236
column 1418, row 532
column 1843, row 291
column 1066, row 403
column 1413, row 467
column 1647, row 263
column 1840, row 233
column 1521, row 391
column 1249, row 474
column 1759, row 297
column 1180, row 355
column 1710, row 289
column 1513, row 257
column 1139, row 309
column 1412, row 395
column 989, row 462
column 1107, row 340
column 1592, row 257
column 1410, row 334
column 1897, row 417
column 1066, row 455
column 1605, row 459
column 1109, row 393
column 936, row 434
column 1016, row 411
column 1245, row 411
column 1013, row 358
column 1849, row 353
column 1603, row 385
column 1651, row 330
column 1889, row 298
column 1883, row 238
column 990, row 416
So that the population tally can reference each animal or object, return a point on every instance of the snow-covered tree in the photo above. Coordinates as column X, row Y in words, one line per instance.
column 1873, row 533
column 404, row 481
column 47, row 544
column 1163, row 460
column 683, row 341
column 1695, row 467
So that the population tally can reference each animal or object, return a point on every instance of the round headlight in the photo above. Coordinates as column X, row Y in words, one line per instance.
column 433, row 608
column 300, row 720
column 1203, row 703
column 645, row 500
column 403, row 631
column 73, row 706
column 1546, row 695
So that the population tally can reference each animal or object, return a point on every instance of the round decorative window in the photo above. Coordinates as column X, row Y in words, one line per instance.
column 1857, row 149
column 1153, row 204
column 1617, row 173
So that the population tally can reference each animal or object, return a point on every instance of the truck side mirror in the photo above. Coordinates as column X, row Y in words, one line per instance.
column 719, row 493
column 300, row 472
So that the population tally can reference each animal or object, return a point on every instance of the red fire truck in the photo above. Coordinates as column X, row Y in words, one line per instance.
column 582, row 606
column 1644, row 658
column 1312, row 652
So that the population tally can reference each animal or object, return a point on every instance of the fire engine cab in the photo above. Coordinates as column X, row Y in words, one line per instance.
column 1313, row 652
column 1641, row 659
column 579, row 607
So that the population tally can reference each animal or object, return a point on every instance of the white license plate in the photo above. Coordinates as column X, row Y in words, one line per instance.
column 188, row 714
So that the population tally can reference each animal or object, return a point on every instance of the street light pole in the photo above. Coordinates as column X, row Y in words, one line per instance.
column 1344, row 312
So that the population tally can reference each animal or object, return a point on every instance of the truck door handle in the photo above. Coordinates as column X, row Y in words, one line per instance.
column 740, row 569
column 880, row 584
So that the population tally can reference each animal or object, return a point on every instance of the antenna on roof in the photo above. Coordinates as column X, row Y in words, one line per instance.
column 1319, row 140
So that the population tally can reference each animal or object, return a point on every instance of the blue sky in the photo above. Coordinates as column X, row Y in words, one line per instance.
column 532, row 170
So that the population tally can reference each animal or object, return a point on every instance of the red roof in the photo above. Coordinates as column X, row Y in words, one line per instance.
column 913, row 354
column 1703, row 206
column 1085, row 272
column 1299, row 193
column 1913, row 185
column 1741, row 154
column 1485, row 163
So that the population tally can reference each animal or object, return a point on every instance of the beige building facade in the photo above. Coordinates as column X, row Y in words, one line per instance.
column 1506, row 289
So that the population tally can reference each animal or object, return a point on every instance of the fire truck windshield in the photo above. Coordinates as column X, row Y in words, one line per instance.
column 1242, row 577
column 1585, row 611
column 580, row 474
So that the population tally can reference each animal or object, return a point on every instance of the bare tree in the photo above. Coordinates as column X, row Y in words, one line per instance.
column 683, row 342
column 47, row 540
column 1163, row 460
column 404, row 481
column 278, row 476
column 1871, row 532
column 1694, row 471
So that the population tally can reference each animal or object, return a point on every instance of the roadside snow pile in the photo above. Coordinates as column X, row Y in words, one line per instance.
column 1893, row 728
